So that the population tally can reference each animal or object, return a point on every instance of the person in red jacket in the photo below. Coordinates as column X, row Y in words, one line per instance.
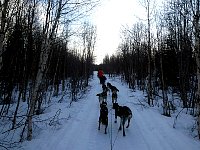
column 101, row 76
column 100, row 73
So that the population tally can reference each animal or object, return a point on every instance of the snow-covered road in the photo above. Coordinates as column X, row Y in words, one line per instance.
column 148, row 130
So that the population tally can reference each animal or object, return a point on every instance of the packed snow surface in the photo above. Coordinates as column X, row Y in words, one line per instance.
column 148, row 130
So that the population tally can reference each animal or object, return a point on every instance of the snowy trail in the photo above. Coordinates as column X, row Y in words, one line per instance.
column 148, row 129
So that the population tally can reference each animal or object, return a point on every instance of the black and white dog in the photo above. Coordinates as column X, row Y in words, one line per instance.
column 114, row 91
column 103, row 118
column 102, row 97
column 124, row 113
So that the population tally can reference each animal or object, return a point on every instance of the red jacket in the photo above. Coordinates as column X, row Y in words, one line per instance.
column 100, row 73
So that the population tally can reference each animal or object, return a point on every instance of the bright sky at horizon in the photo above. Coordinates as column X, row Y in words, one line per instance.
column 109, row 18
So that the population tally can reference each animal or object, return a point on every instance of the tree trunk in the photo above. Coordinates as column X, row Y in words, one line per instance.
column 198, row 91
column 197, row 50
column 150, row 99
column 42, row 65
column 164, row 91
column 38, row 81
column 198, row 88
column 16, row 110
column 1, row 49
column 3, row 16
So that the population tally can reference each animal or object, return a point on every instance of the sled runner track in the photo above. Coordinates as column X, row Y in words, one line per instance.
column 148, row 129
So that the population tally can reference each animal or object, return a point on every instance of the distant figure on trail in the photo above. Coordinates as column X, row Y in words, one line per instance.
column 100, row 73
column 101, row 76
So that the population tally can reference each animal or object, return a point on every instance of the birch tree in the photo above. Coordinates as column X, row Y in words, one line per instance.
column 147, row 5
column 45, row 51
column 43, row 62
column 55, row 10
column 149, row 85
column 3, row 15
column 89, row 41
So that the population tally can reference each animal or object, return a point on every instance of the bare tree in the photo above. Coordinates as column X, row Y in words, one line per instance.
column 3, row 16
column 195, row 5
column 34, row 55
column 49, row 32
column 147, row 5
column 89, row 41
column 149, row 86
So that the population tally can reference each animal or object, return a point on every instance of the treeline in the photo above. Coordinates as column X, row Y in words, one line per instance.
column 36, row 56
column 162, row 54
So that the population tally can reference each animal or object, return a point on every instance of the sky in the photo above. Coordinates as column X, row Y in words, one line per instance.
column 75, row 127
column 109, row 17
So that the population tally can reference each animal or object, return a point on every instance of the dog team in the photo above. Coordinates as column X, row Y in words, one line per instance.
column 123, row 112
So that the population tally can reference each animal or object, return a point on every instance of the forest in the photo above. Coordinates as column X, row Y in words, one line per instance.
column 162, row 55
column 43, row 53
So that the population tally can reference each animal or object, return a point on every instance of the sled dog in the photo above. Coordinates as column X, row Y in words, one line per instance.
column 102, row 97
column 103, row 118
column 124, row 113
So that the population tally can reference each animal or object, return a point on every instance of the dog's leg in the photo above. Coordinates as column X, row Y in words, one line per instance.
column 112, row 98
column 105, row 99
column 123, row 120
column 115, row 116
column 129, row 119
column 120, row 127
column 123, row 130
column 99, row 123
column 106, row 125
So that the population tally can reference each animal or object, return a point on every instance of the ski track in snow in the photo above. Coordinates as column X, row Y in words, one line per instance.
column 148, row 130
